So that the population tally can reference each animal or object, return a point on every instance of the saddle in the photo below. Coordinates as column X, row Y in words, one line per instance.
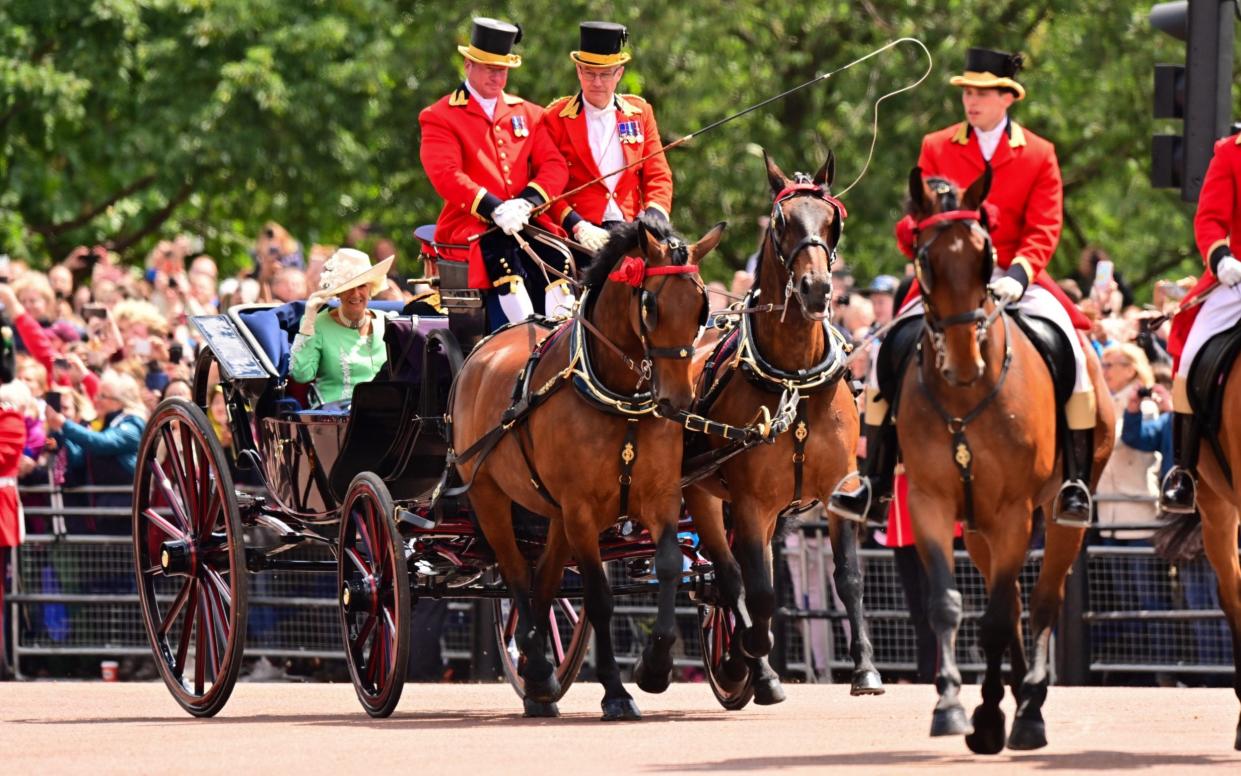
column 1207, row 377
column 1048, row 340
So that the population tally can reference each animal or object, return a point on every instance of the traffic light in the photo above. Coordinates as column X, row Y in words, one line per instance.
column 1199, row 92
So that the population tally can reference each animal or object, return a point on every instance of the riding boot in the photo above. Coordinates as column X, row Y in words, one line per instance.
column 1074, row 503
column 870, row 499
column 1180, row 489
column 516, row 303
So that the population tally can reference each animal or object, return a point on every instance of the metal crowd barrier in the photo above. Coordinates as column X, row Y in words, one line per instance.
column 1126, row 610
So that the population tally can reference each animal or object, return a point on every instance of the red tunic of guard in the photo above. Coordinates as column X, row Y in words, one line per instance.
column 1025, row 187
column 12, row 440
column 646, row 185
column 473, row 161
column 1217, row 223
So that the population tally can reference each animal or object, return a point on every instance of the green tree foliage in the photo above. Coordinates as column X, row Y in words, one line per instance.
column 127, row 120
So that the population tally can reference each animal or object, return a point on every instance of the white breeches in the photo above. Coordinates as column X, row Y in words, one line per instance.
column 1220, row 311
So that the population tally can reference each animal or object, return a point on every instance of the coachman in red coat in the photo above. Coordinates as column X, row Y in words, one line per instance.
column 489, row 156
column 1217, row 231
column 599, row 131
column 1026, row 191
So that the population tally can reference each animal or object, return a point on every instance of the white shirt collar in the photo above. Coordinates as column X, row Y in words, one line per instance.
column 989, row 140
column 488, row 106
column 593, row 112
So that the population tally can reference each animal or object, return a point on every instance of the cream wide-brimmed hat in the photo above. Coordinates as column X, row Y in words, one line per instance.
column 349, row 268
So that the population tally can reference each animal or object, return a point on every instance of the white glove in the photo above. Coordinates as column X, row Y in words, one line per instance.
column 1228, row 271
column 591, row 237
column 313, row 305
column 512, row 215
column 1006, row 290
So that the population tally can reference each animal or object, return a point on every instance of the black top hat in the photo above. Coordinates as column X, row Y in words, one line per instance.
column 601, row 45
column 491, row 43
column 988, row 69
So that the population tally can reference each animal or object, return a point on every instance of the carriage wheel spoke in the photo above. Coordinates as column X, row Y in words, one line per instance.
column 173, row 499
column 221, row 587
column 177, row 605
column 390, row 635
column 567, row 607
column 187, row 627
column 363, row 634
column 219, row 628
column 510, row 623
column 358, row 563
column 205, row 657
column 174, row 460
column 376, row 648
column 557, row 645
column 200, row 646
column 363, row 532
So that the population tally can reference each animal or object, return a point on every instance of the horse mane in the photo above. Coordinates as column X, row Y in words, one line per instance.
column 950, row 200
column 624, row 239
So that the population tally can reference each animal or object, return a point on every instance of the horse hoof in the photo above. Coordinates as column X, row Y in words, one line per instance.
column 546, row 691
column 651, row 680
column 1030, row 734
column 866, row 681
column 988, row 735
column 768, row 691
column 620, row 710
column 949, row 721
column 540, row 709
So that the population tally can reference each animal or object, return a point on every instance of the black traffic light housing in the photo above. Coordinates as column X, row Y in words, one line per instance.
column 1200, row 92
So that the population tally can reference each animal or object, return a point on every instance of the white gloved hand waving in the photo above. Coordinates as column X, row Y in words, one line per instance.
column 1006, row 290
column 1228, row 271
column 313, row 305
column 511, row 215
column 591, row 237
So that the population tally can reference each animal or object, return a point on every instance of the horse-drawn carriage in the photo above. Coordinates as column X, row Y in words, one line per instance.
column 361, row 483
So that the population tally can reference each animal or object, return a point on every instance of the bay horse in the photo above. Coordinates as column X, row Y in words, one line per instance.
column 595, row 447
column 1219, row 498
column 784, row 342
column 981, row 393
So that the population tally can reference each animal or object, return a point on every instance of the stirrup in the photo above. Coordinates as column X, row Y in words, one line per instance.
column 864, row 482
column 1177, row 509
column 1056, row 510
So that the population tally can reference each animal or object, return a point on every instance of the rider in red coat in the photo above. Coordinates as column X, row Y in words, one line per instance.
column 1027, row 193
column 598, row 130
column 1217, row 230
column 488, row 155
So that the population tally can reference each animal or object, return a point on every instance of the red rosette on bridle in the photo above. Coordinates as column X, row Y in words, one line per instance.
column 905, row 232
column 631, row 271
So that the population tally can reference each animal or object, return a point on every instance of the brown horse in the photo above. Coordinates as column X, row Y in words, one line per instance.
column 993, row 456
column 781, row 348
column 596, row 448
column 1218, row 502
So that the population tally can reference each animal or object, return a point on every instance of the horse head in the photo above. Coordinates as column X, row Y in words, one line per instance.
column 953, row 260
column 657, row 303
column 806, row 224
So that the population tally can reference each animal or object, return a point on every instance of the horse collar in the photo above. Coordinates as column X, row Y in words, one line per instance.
column 592, row 389
column 770, row 377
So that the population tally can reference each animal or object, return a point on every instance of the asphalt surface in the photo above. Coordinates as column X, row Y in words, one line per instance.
column 98, row 728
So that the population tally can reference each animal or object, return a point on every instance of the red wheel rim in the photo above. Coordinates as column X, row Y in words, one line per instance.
column 371, row 634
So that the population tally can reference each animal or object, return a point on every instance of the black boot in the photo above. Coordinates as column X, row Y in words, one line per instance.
column 871, row 497
column 1180, row 489
column 1073, row 501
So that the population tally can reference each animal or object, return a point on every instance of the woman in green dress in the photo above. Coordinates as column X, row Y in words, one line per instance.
column 339, row 348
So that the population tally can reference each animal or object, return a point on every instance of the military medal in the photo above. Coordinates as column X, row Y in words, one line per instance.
column 630, row 132
column 519, row 127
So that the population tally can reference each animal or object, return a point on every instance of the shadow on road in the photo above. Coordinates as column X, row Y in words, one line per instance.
column 1090, row 760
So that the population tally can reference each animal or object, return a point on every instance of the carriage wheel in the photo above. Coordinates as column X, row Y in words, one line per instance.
column 569, row 636
column 715, row 628
column 189, row 552
column 204, row 383
column 373, row 580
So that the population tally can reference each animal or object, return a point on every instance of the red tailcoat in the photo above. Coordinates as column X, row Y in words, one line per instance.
column 1025, row 186
column 475, row 163
column 645, row 185
column 12, row 440
column 1217, row 226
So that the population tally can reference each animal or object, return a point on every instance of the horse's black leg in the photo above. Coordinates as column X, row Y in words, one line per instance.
column 944, row 611
column 848, row 577
column 995, row 634
column 541, row 683
column 760, row 596
column 653, row 671
column 617, row 702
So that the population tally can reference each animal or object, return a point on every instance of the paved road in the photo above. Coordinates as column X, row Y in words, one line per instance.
column 97, row 728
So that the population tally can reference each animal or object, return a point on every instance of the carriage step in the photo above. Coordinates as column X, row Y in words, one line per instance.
column 414, row 520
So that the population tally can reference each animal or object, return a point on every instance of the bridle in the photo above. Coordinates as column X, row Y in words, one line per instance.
column 937, row 327
column 634, row 271
column 803, row 186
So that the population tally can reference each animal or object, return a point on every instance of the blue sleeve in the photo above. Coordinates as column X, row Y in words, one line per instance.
column 122, row 438
column 1142, row 434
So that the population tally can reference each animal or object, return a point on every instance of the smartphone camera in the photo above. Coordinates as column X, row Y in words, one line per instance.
column 1144, row 392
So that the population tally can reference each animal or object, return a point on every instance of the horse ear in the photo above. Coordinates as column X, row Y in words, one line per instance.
column 775, row 176
column 977, row 192
column 648, row 241
column 707, row 243
column 826, row 173
column 919, row 195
